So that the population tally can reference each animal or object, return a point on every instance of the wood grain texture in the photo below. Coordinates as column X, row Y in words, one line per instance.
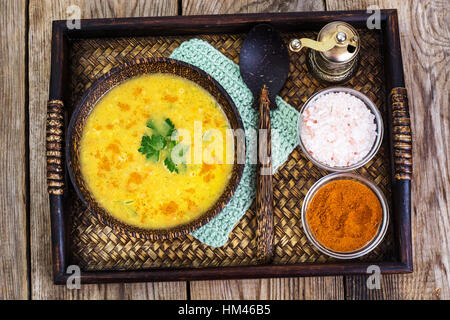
column 424, row 35
column 196, row 7
column 323, row 288
column 41, row 13
column 264, row 187
column 13, row 238
column 288, row 288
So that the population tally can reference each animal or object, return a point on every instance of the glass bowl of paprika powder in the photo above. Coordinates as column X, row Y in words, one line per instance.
column 345, row 215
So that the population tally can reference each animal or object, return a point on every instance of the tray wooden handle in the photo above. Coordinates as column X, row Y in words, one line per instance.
column 264, row 197
column 402, row 138
column 54, row 146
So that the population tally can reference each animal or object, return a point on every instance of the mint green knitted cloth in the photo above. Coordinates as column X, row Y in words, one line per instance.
column 284, row 133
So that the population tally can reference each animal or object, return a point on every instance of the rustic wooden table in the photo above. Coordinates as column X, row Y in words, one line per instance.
column 25, row 255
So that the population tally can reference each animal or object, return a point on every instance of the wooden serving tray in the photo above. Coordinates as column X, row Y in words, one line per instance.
column 80, row 57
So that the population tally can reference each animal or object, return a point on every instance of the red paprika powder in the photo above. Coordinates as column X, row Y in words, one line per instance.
column 344, row 215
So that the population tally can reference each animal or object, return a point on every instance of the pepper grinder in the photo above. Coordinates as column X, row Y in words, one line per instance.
column 333, row 58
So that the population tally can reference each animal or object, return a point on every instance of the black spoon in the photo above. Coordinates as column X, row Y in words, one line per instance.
column 264, row 65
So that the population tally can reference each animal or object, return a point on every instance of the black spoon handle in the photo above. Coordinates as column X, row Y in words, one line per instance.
column 264, row 197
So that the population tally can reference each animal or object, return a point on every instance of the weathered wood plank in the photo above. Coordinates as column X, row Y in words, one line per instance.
column 195, row 7
column 13, row 235
column 41, row 13
column 290, row 288
column 323, row 288
column 424, row 30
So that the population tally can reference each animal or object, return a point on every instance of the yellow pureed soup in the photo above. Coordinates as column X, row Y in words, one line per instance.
column 151, row 151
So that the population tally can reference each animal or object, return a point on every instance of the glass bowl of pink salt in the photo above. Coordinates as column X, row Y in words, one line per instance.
column 340, row 129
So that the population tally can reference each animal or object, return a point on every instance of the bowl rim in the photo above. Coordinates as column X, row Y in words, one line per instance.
column 104, row 216
column 369, row 104
column 370, row 245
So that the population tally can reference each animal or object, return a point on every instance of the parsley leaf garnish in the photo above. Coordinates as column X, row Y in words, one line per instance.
column 169, row 127
column 151, row 124
column 157, row 142
column 170, row 165
column 151, row 146
column 160, row 142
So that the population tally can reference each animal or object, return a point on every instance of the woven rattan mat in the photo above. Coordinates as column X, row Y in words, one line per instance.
column 95, row 246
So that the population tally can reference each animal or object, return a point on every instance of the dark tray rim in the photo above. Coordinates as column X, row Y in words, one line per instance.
column 236, row 23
